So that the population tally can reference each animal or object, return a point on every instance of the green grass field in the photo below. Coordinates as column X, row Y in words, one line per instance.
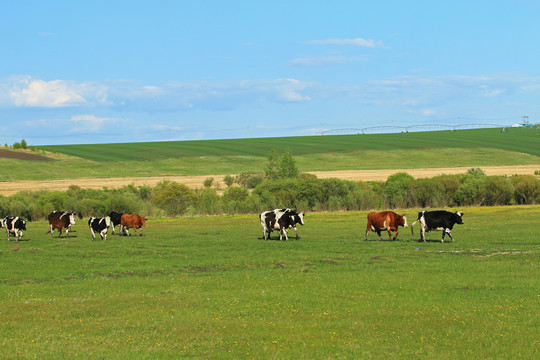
column 207, row 287
column 524, row 140
column 470, row 148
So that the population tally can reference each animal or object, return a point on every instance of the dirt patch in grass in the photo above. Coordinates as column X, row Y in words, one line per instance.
column 19, row 155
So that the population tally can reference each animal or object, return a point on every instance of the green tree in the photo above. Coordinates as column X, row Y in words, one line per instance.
column 173, row 197
column 271, row 170
column 287, row 166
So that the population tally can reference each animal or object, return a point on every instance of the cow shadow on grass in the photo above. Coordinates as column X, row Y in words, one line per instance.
column 277, row 238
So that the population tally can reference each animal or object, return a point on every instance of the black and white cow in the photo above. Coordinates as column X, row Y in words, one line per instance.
column 100, row 226
column 116, row 219
column 14, row 225
column 440, row 220
column 282, row 220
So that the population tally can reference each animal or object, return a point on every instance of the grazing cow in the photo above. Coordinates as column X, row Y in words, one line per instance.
column 280, row 219
column 132, row 220
column 437, row 220
column 99, row 225
column 385, row 220
column 14, row 225
column 61, row 220
column 116, row 219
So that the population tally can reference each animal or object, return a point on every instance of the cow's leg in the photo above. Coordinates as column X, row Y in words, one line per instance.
column 390, row 234
column 296, row 232
column 423, row 234
column 379, row 233
column 449, row 232
column 51, row 230
column 93, row 234
column 443, row 233
column 140, row 233
column 281, row 232
column 397, row 232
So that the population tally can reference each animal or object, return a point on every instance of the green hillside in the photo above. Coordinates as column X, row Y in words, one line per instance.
column 523, row 140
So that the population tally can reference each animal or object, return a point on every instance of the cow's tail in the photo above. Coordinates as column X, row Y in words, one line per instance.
column 420, row 214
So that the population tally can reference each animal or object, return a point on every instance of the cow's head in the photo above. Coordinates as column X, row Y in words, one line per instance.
column 403, row 221
column 71, row 218
column 23, row 225
column 107, row 221
column 459, row 217
column 299, row 218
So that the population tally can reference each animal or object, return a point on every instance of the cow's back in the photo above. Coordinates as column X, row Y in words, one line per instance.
column 132, row 220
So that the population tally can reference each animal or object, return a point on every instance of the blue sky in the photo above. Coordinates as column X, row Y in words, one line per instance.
column 124, row 71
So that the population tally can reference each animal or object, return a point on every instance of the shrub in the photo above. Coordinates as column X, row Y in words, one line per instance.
column 397, row 189
column 526, row 189
column 497, row 190
column 476, row 172
column 235, row 193
column 173, row 197
column 208, row 182
column 469, row 192
column 208, row 202
column 228, row 180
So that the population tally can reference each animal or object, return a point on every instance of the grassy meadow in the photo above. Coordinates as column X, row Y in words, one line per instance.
column 468, row 148
column 209, row 287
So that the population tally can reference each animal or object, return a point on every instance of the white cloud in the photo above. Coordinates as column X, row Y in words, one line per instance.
column 25, row 91
column 352, row 42
column 39, row 93
column 324, row 61
column 90, row 123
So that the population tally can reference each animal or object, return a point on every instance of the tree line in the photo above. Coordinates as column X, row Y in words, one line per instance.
column 303, row 192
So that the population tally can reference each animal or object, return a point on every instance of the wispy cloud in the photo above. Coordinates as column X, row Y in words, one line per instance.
column 351, row 42
column 319, row 61
column 91, row 123
column 25, row 91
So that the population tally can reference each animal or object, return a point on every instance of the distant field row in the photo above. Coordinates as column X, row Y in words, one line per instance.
column 524, row 140
column 77, row 168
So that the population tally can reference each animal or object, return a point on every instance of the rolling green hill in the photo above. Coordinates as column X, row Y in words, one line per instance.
column 466, row 148
column 524, row 140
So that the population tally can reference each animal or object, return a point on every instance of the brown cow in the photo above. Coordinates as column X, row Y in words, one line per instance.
column 132, row 220
column 61, row 220
column 385, row 220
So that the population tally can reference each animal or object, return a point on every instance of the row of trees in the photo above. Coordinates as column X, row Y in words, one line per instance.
column 303, row 192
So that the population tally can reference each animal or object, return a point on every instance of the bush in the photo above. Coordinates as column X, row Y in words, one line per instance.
column 497, row 190
column 469, row 192
column 397, row 190
column 173, row 197
column 526, row 189
column 228, row 180
column 208, row 202
column 208, row 182
column 476, row 172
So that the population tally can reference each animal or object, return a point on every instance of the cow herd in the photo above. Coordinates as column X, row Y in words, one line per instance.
column 440, row 220
column 63, row 220
column 277, row 219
